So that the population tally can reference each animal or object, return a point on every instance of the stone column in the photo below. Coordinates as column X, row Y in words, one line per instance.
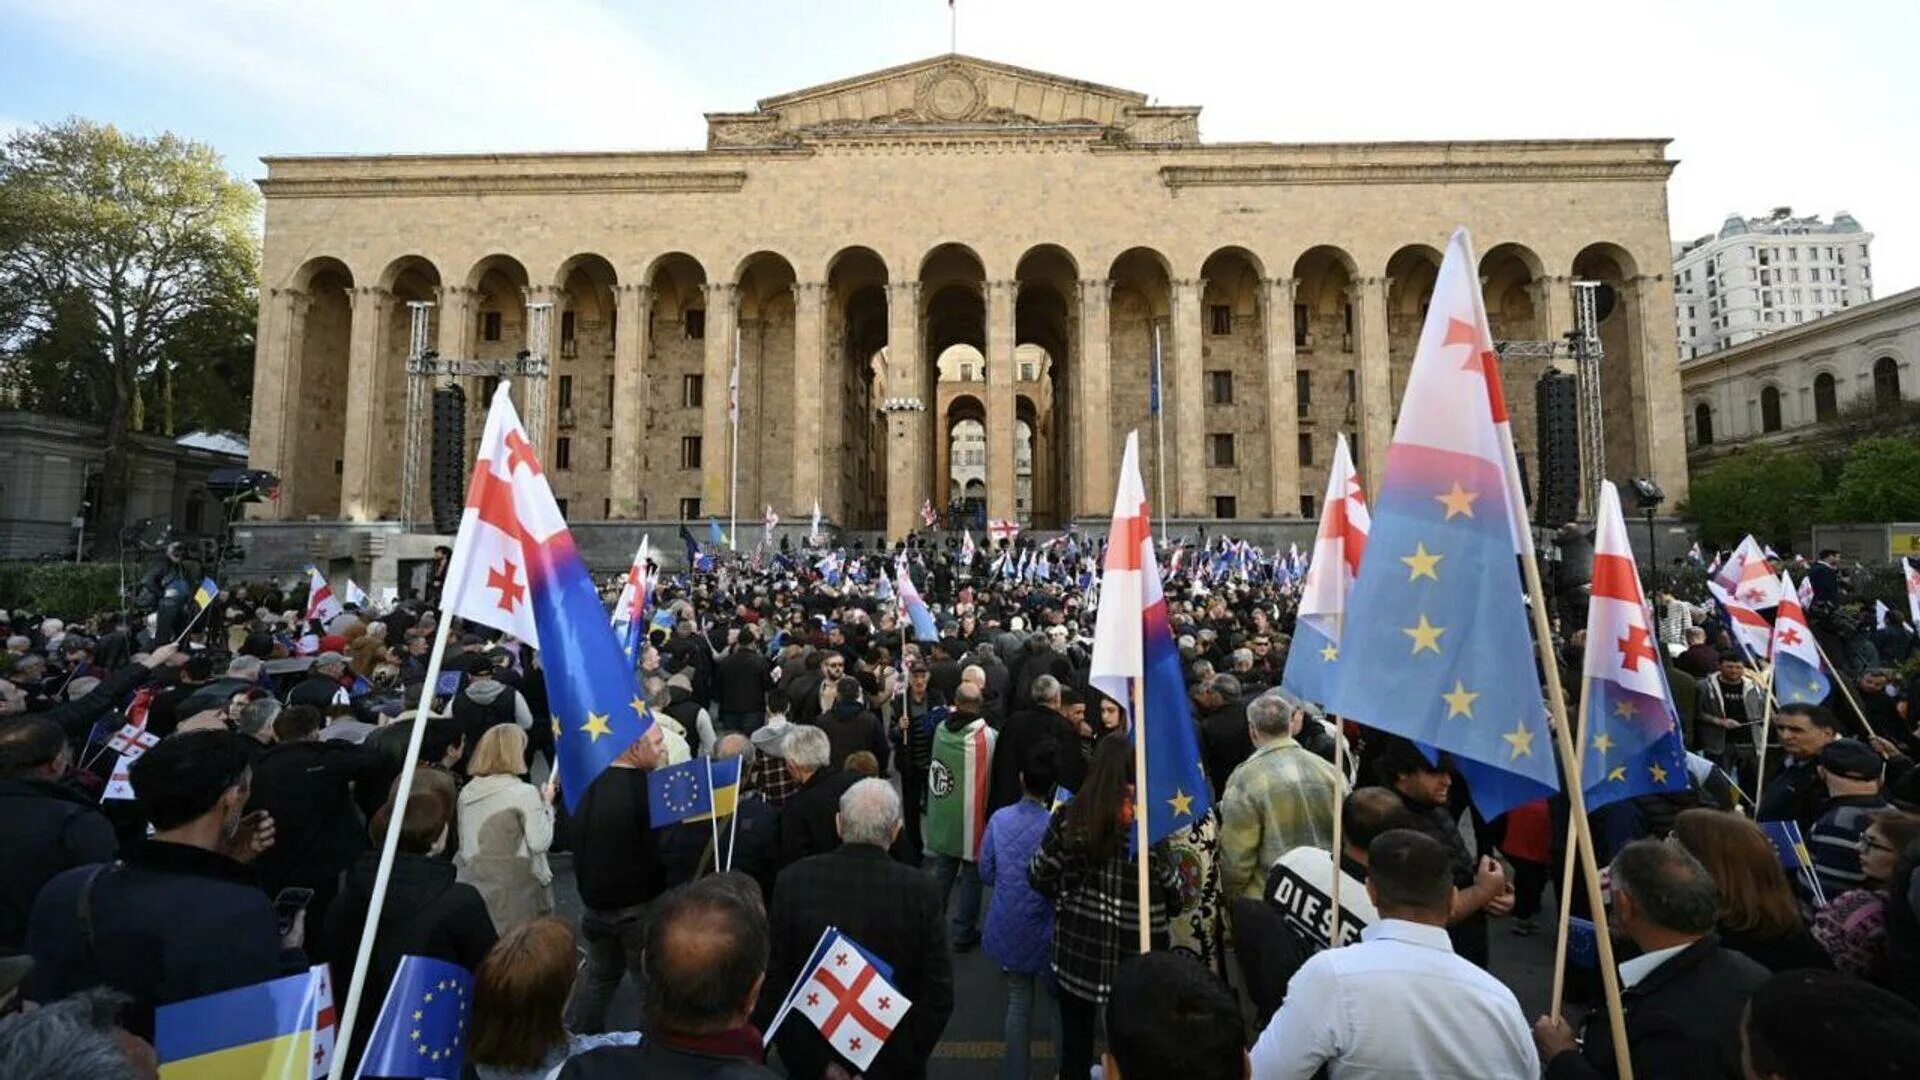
column 1552, row 306
column 1184, row 401
column 1093, row 387
column 1375, row 405
column 271, row 373
column 1001, row 413
column 1659, row 411
column 908, row 434
column 456, row 323
column 809, row 390
column 715, row 430
column 1283, row 406
column 299, row 303
column 632, row 303
column 361, row 494
column 538, row 398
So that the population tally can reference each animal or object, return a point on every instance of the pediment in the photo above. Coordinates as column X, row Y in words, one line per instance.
column 953, row 93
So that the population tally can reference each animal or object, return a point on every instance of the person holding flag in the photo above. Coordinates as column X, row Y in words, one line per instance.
column 630, row 609
column 322, row 606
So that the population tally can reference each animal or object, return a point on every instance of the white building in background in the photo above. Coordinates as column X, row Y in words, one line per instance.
column 1759, row 275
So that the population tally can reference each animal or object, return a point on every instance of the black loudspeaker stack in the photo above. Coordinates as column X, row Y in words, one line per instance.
column 1557, row 401
column 448, row 473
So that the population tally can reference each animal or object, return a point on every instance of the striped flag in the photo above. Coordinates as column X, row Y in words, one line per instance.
column 1314, row 655
column 957, row 788
column 1798, row 676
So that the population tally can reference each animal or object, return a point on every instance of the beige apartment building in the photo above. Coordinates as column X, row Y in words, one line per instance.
column 842, row 240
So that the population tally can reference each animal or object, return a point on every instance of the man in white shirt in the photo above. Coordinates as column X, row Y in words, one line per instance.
column 1400, row 1003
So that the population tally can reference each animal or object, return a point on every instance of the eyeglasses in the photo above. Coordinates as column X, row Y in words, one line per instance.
column 1868, row 843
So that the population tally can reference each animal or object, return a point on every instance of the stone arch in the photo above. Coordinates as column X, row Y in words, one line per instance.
column 961, row 454
column 1411, row 273
column 1887, row 392
column 1234, row 378
column 315, row 458
column 580, row 391
column 1772, row 409
column 1047, row 344
column 859, row 371
column 1141, row 303
column 407, row 280
column 1513, row 285
column 1326, row 342
column 1826, row 396
column 497, row 287
column 1623, row 370
column 1702, row 424
column 952, row 259
column 766, row 339
column 673, row 387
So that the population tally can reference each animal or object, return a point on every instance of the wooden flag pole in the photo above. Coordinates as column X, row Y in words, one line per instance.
column 1766, row 726
column 1339, row 801
column 1577, row 818
column 1840, row 680
column 1138, row 690
column 1565, row 895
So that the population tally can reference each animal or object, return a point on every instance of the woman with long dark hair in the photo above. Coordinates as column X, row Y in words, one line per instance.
column 1085, row 866
column 1758, row 914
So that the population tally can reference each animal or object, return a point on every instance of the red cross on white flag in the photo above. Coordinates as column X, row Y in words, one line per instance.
column 1003, row 529
column 851, row 1002
column 509, row 505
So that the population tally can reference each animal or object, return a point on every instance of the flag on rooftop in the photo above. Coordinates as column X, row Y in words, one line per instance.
column 1436, row 646
column 1133, row 644
column 1633, row 733
column 1798, row 676
column 1314, row 655
column 515, row 568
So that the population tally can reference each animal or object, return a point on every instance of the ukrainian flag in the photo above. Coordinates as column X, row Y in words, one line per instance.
column 726, row 789
column 206, row 592
column 260, row 1032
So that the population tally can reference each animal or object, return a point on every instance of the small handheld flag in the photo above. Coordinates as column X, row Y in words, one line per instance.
column 422, row 1030
column 850, row 999
column 265, row 1030
column 915, row 607
column 205, row 594
column 322, row 606
column 1750, row 629
column 1314, row 655
column 1798, row 676
column 681, row 792
column 355, row 595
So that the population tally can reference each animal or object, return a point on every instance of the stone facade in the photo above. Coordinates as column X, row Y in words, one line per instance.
column 1851, row 373
column 841, row 238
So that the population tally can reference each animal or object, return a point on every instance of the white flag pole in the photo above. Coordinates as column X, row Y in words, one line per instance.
column 1160, row 432
column 713, row 814
column 363, row 956
column 733, row 455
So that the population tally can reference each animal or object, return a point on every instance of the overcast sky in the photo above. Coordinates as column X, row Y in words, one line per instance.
column 1814, row 106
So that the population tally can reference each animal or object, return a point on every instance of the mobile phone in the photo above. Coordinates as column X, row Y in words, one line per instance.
column 289, row 904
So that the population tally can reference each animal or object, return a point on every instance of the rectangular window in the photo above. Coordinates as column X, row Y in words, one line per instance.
column 1222, row 450
column 1306, row 448
column 488, row 384
column 1026, row 372
column 1300, row 339
column 693, row 391
column 697, row 323
column 606, row 509
column 489, row 326
column 689, row 509
column 1222, row 386
column 563, row 453
column 1225, row 506
column 690, row 451
column 561, row 504
column 567, row 345
column 566, row 391
column 1353, row 386
column 608, row 398
column 609, row 463
column 1303, row 392
column 1219, row 319
column 966, row 372
column 1307, row 506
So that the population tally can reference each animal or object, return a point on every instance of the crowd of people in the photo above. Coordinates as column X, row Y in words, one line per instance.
column 928, row 799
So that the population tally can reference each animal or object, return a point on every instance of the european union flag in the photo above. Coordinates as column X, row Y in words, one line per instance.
column 686, row 792
column 1435, row 646
column 264, row 1030
column 1583, row 948
column 715, row 535
column 421, row 1033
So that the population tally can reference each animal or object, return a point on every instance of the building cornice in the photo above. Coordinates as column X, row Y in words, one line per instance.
column 1808, row 336
column 1261, row 175
column 508, row 183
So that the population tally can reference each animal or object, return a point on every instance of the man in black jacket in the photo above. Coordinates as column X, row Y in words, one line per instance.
column 740, row 685
column 806, row 819
column 1024, row 730
column 1683, row 995
column 45, row 826
column 616, row 864
column 180, row 916
column 1796, row 792
column 324, row 684
column 892, row 911
column 1224, row 739
column 308, row 786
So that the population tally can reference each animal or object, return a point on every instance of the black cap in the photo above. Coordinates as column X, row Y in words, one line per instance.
column 1852, row 759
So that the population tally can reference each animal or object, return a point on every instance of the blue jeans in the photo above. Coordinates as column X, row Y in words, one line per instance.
column 1018, row 1064
column 966, row 911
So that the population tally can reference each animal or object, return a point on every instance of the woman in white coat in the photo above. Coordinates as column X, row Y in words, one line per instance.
column 506, row 826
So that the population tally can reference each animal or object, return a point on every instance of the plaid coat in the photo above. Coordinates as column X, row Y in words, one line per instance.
column 1096, row 908
column 1279, row 799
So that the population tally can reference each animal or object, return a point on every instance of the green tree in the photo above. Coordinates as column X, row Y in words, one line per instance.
column 153, row 233
column 1772, row 495
column 1880, row 482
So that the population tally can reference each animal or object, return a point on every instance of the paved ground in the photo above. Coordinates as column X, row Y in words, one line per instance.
column 972, row 1047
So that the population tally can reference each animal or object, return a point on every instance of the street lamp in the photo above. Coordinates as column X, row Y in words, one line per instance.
column 1650, row 497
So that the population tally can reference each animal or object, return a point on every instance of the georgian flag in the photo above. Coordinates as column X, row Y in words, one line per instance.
column 321, row 603
column 1337, row 548
column 1003, row 529
column 966, row 548
column 1751, row 630
column 850, row 999
column 1748, row 578
column 1798, row 676
column 1912, row 574
column 630, row 610
column 928, row 515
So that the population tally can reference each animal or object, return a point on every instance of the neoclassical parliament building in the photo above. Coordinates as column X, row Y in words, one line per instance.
column 948, row 248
